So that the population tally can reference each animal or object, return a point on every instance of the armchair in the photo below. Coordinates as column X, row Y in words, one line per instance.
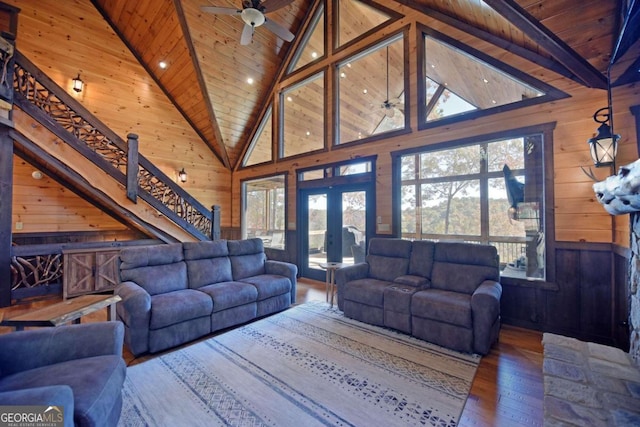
column 78, row 367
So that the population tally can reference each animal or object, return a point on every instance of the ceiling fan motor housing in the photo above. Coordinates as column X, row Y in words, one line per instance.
column 252, row 17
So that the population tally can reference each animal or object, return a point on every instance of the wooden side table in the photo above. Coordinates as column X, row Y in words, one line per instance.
column 330, row 282
column 70, row 310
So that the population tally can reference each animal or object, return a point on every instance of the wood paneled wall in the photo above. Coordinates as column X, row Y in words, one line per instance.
column 44, row 206
column 65, row 41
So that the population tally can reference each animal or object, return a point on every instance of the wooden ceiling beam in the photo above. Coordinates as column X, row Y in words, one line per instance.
column 203, row 87
column 521, row 51
column 579, row 66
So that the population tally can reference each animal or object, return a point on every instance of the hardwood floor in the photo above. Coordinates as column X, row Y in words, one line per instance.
column 506, row 392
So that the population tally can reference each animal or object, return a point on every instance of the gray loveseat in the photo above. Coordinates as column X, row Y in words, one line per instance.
column 77, row 367
column 445, row 293
column 175, row 293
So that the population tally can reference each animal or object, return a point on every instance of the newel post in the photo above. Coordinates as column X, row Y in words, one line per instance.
column 215, row 222
column 132, row 167
column 6, row 196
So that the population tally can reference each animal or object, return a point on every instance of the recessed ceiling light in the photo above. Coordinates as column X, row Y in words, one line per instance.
column 433, row 65
column 314, row 54
column 308, row 133
column 250, row 80
column 348, row 64
column 162, row 65
column 364, row 91
column 485, row 80
column 289, row 98
column 343, row 75
column 493, row 101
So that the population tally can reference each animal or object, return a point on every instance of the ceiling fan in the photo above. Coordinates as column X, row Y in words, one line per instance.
column 391, row 105
column 252, row 13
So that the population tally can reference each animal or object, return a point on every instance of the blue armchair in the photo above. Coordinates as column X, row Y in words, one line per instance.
column 78, row 367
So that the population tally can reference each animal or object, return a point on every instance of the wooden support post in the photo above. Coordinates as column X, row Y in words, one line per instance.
column 132, row 167
column 6, row 196
column 215, row 222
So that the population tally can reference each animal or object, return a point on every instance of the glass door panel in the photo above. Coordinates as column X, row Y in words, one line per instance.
column 354, row 226
column 316, row 218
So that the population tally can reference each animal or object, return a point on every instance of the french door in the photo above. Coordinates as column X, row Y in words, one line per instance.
column 334, row 224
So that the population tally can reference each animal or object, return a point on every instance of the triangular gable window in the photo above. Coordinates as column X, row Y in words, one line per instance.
column 461, row 83
column 312, row 46
column 260, row 148
column 356, row 18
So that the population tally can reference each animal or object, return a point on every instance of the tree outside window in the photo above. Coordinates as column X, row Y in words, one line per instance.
column 461, row 194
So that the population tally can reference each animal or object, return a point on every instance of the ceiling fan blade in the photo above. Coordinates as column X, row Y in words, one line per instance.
column 271, row 5
column 247, row 35
column 220, row 10
column 279, row 30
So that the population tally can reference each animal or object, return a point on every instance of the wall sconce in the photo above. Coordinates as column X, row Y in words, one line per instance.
column 604, row 145
column 78, row 84
column 182, row 175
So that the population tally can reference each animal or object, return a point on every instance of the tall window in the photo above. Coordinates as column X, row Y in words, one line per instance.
column 489, row 192
column 264, row 210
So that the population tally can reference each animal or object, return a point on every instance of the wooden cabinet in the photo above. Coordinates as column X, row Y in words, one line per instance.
column 89, row 271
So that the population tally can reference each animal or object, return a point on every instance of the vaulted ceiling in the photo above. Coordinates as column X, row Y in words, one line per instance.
column 207, row 69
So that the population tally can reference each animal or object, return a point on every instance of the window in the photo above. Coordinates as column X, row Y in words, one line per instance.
column 458, row 83
column 264, row 210
column 260, row 149
column 303, row 117
column 487, row 191
column 371, row 91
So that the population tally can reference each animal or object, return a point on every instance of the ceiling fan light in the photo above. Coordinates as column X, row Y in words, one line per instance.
column 252, row 17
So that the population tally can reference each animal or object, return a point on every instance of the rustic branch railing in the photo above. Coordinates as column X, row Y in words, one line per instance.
column 35, row 91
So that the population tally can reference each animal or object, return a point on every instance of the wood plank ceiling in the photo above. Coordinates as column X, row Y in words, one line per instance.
column 208, row 70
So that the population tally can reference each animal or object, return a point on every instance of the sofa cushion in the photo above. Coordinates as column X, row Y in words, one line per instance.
column 443, row 306
column 96, row 383
column 230, row 294
column 178, row 306
column 203, row 250
column 143, row 256
column 388, row 258
column 247, row 258
column 158, row 279
column 421, row 260
column 269, row 285
column 202, row 272
column 366, row 291
column 462, row 267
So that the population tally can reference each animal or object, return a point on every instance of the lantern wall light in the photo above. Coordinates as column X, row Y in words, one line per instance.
column 604, row 145
column 182, row 175
column 78, row 84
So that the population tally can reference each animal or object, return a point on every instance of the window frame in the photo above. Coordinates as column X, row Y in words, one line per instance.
column 244, row 207
column 546, row 131
column 550, row 93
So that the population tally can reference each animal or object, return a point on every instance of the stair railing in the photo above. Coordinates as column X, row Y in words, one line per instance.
column 42, row 98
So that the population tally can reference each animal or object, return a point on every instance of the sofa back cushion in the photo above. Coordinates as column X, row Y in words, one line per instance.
column 157, row 268
column 421, row 261
column 462, row 267
column 388, row 258
column 247, row 257
column 207, row 263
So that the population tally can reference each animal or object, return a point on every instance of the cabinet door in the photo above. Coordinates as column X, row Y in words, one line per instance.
column 78, row 273
column 107, row 275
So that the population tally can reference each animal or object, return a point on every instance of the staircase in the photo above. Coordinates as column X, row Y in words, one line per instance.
column 53, row 129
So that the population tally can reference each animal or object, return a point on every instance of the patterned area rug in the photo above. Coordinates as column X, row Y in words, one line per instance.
column 306, row 366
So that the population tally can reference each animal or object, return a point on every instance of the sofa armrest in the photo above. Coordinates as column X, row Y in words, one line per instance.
column 134, row 310
column 23, row 351
column 347, row 274
column 485, row 309
column 285, row 269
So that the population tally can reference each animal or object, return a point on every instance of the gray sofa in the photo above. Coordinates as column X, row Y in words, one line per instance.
column 77, row 367
column 446, row 293
column 175, row 293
